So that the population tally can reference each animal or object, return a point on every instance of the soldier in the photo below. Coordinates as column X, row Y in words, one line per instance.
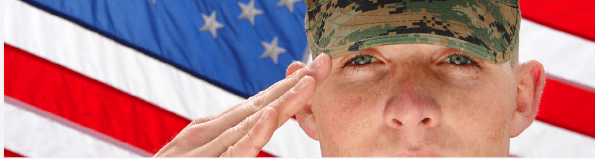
column 391, row 78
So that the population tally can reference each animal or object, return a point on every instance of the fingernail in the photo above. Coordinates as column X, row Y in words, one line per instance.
column 301, row 84
column 317, row 62
column 264, row 116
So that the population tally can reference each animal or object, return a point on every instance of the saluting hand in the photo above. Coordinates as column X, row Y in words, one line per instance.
column 244, row 129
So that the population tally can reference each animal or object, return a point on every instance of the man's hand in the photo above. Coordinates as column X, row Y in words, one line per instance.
column 244, row 129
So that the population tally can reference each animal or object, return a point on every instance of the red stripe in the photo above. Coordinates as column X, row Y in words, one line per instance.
column 264, row 154
column 568, row 107
column 8, row 153
column 574, row 16
column 88, row 102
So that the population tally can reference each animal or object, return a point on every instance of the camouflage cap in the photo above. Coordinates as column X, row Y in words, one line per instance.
column 487, row 29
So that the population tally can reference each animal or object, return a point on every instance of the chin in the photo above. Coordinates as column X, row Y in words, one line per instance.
column 420, row 153
column 416, row 154
column 424, row 153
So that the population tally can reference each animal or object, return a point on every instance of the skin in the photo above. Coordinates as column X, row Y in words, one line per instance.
column 413, row 103
column 410, row 103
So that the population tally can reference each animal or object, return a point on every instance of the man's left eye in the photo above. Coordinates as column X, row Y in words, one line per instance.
column 458, row 59
column 363, row 60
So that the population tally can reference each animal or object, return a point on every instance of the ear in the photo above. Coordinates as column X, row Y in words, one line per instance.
column 530, row 78
column 304, row 116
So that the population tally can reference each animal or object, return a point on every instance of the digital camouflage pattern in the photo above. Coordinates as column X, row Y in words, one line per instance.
column 487, row 29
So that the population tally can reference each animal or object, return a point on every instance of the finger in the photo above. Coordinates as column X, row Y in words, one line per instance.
column 210, row 127
column 319, row 67
column 293, row 67
column 207, row 131
column 251, row 143
column 201, row 120
column 232, row 116
column 266, row 96
column 294, row 99
column 230, row 136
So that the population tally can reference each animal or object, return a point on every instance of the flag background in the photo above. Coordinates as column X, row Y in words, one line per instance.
column 122, row 78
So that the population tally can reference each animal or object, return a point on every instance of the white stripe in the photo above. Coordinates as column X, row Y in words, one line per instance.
column 105, row 60
column 75, row 126
column 100, row 58
column 562, row 54
column 544, row 140
column 33, row 135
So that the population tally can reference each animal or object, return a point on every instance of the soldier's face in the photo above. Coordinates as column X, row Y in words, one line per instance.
column 414, row 100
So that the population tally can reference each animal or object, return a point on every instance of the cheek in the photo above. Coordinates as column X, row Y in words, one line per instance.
column 482, row 112
column 343, row 110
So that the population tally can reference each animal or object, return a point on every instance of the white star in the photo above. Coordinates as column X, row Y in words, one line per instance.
column 248, row 11
column 211, row 23
column 288, row 3
column 272, row 50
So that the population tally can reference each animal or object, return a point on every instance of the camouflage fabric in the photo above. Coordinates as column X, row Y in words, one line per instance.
column 487, row 29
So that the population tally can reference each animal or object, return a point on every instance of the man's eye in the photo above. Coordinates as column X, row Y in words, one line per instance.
column 363, row 60
column 458, row 59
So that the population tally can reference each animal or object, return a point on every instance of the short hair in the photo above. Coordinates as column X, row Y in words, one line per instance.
column 514, row 56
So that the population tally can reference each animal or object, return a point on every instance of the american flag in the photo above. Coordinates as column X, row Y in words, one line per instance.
column 122, row 78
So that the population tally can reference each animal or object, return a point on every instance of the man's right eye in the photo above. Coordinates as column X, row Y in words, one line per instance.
column 458, row 59
column 363, row 59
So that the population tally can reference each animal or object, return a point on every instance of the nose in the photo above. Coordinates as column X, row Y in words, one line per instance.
column 408, row 110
